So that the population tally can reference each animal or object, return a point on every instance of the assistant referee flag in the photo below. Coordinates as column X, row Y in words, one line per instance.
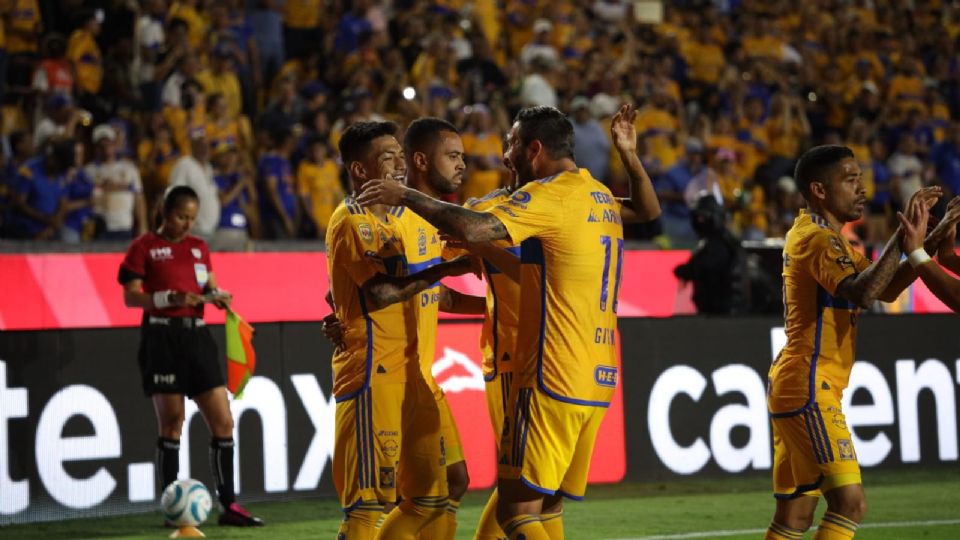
column 241, row 358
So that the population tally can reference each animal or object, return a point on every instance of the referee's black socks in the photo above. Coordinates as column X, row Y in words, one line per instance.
column 221, row 462
column 168, row 460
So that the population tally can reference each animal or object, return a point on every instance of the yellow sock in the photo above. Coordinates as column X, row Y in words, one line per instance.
column 360, row 523
column 451, row 518
column 407, row 520
column 835, row 527
column 525, row 527
column 445, row 527
column 782, row 532
column 553, row 524
column 489, row 529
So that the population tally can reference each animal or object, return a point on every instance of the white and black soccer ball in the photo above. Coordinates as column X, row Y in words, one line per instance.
column 185, row 503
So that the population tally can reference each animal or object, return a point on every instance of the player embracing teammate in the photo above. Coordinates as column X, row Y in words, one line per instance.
column 570, row 233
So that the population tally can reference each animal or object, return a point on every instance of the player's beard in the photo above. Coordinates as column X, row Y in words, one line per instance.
column 443, row 185
column 523, row 170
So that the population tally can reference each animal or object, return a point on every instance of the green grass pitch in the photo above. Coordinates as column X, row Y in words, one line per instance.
column 907, row 504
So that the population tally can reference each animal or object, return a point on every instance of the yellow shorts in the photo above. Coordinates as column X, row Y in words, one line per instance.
column 388, row 443
column 498, row 396
column 449, row 436
column 547, row 444
column 812, row 451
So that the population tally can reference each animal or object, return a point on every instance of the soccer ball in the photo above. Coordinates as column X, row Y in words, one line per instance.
column 185, row 503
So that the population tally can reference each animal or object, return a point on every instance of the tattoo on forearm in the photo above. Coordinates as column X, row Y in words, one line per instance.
column 461, row 222
column 883, row 270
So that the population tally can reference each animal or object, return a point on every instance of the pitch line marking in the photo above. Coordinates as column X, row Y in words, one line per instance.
column 737, row 532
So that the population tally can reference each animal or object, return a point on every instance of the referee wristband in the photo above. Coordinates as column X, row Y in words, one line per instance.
column 918, row 257
column 161, row 299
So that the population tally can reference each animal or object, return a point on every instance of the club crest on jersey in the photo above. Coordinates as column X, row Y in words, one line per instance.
column 421, row 241
column 161, row 253
column 196, row 253
column 846, row 450
column 365, row 232
column 387, row 477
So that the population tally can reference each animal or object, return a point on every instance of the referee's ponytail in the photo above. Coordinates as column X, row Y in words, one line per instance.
column 172, row 198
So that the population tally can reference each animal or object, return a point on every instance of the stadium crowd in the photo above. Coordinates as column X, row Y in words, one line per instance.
column 107, row 103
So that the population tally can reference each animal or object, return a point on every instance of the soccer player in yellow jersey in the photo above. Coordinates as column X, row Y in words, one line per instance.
column 825, row 282
column 435, row 165
column 387, row 419
column 571, row 235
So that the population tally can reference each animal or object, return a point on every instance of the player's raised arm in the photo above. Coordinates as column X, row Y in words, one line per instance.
column 942, row 285
column 642, row 206
column 455, row 220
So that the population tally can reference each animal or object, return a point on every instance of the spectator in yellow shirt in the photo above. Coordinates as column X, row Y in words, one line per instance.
column 318, row 183
column 302, row 30
column 196, row 24
column 84, row 53
column 483, row 151
column 705, row 60
column 220, row 78
column 23, row 27
column 659, row 126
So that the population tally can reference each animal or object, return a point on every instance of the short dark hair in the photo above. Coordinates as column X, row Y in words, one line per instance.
column 815, row 164
column 549, row 126
column 423, row 132
column 357, row 138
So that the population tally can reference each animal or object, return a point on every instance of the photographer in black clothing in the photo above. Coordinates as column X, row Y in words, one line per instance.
column 717, row 265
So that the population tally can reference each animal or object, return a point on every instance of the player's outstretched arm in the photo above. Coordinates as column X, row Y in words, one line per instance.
column 642, row 206
column 454, row 220
column 942, row 285
column 382, row 290
column 506, row 262
column 454, row 301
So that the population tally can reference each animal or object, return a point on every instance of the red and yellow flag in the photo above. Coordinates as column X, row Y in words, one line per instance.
column 241, row 358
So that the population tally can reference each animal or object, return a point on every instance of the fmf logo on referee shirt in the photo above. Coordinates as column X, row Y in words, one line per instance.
column 161, row 253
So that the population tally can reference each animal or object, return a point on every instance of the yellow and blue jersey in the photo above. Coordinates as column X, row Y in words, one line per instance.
column 820, row 326
column 84, row 53
column 421, row 249
column 498, row 336
column 359, row 246
column 571, row 237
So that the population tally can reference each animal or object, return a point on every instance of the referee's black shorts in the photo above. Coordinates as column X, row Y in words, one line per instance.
column 178, row 356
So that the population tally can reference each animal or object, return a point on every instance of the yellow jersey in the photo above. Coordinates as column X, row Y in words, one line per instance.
column 84, row 53
column 821, row 327
column 498, row 336
column 421, row 249
column 226, row 84
column 24, row 16
column 359, row 246
column 321, row 183
column 302, row 14
column 571, row 238
column 481, row 145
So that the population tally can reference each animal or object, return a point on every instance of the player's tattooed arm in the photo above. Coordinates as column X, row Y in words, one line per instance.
column 453, row 301
column 382, row 290
column 455, row 220
column 449, row 218
column 868, row 286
